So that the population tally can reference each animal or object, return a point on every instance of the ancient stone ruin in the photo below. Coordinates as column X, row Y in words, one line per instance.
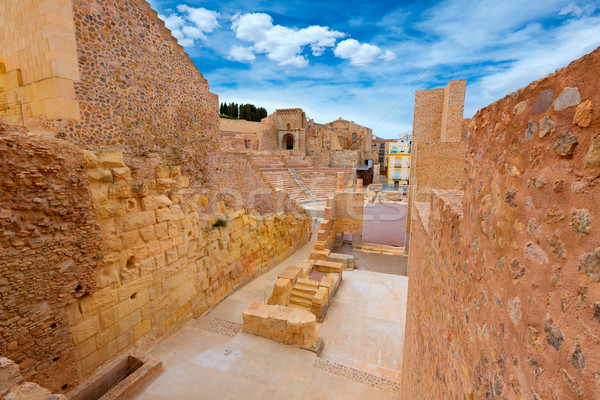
column 135, row 223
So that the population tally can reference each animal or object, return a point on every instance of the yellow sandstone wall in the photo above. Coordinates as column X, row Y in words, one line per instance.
column 163, row 261
column 38, row 60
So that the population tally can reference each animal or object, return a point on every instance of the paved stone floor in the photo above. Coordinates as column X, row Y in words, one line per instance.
column 363, row 335
column 374, row 262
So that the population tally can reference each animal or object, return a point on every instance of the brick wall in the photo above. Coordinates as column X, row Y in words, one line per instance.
column 48, row 247
column 504, row 286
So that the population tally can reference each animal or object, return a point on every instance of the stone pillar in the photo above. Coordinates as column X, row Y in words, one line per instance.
column 340, row 183
column 359, row 186
column 376, row 172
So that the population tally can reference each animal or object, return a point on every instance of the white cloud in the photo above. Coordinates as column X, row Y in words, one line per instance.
column 282, row 44
column 191, row 24
column 360, row 54
column 388, row 55
column 572, row 9
column 241, row 54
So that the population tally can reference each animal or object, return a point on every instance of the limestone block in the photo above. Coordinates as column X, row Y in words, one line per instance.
column 282, row 290
column 90, row 160
column 100, row 299
column 108, row 317
column 155, row 202
column 130, row 222
column 141, row 329
column 99, row 175
column 162, row 171
column 166, row 185
column 133, row 287
column 98, row 357
column 9, row 373
column 107, row 274
column 85, row 348
column 85, row 329
column 320, row 254
column 293, row 272
column 121, row 174
column 328, row 266
column 110, row 159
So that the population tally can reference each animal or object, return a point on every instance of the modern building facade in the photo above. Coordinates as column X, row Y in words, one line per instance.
column 398, row 163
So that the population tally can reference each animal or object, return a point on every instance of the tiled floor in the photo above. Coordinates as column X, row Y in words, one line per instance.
column 363, row 335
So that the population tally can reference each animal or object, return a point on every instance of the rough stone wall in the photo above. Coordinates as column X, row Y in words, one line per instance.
column 107, row 74
column 504, row 302
column 13, row 386
column 163, row 258
column 344, row 158
column 438, row 143
column 48, row 247
column 239, row 135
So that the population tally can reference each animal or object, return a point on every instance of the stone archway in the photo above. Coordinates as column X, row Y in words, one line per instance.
column 287, row 142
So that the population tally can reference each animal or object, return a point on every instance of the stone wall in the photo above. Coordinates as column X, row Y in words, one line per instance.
column 239, row 135
column 107, row 74
column 49, row 244
column 38, row 60
column 344, row 158
column 236, row 180
column 168, row 254
column 438, row 143
column 504, row 285
column 13, row 386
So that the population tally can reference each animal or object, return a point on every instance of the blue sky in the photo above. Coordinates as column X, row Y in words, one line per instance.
column 363, row 60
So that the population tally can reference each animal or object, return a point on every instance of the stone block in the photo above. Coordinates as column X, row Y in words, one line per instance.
column 155, row 202
column 9, row 374
column 85, row 329
column 98, row 300
column 141, row 329
column 109, row 159
column 90, row 160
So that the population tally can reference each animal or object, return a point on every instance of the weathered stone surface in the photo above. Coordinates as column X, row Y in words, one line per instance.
column 583, row 114
column 568, row 97
column 589, row 264
column 565, row 144
column 596, row 311
column 547, row 126
column 554, row 336
column 110, row 159
column 592, row 158
column 577, row 360
column 543, row 101
column 531, row 128
column 580, row 221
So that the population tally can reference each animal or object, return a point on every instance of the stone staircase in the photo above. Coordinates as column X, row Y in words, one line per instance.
column 303, row 293
column 268, row 161
column 296, row 162
column 283, row 179
column 322, row 182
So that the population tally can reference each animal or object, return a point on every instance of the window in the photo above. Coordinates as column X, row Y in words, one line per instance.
column 381, row 152
column 289, row 126
column 382, row 145
column 354, row 137
column 380, row 160
column 394, row 149
column 396, row 174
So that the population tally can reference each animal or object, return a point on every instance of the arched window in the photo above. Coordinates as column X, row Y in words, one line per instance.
column 289, row 126
column 353, row 137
